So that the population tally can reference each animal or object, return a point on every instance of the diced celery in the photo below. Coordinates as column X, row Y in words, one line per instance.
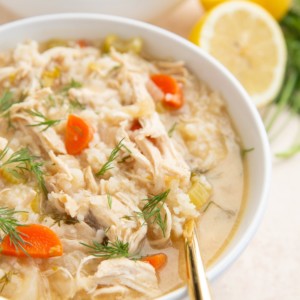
column 200, row 191
column 35, row 204
column 48, row 77
column 10, row 176
column 132, row 45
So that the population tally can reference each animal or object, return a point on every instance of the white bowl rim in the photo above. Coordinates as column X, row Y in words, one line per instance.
column 220, row 266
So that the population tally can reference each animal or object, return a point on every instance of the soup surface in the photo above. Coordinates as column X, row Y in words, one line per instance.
column 105, row 154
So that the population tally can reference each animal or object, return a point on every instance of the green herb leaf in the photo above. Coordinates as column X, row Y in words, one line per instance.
column 23, row 161
column 8, row 226
column 6, row 101
column 172, row 129
column 63, row 218
column 75, row 104
column 5, row 279
column 124, row 159
column 110, row 250
column 152, row 210
column 109, row 200
column 73, row 84
column 245, row 151
column 46, row 122
column 289, row 95
column 289, row 152
column 113, row 155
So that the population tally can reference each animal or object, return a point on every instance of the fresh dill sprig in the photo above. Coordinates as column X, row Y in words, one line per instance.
column 63, row 218
column 8, row 226
column 73, row 84
column 114, row 249
column 113, row 155
column 10, row 124
column 109, row 200
column 23, row 161
column 51, row 100
column 5, row 279
column 124, row 159
column 45, row 121
column 289, row 94
column 75, row 104
column 152, row 210
column 6, row 101
column 293, row 150
column 228, row 212
column 245, row 151
column 172, row 129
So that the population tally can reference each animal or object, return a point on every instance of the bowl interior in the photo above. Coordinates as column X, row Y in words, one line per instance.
column 163, row 44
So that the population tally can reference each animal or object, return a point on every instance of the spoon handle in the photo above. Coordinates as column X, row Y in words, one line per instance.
column 197, row 282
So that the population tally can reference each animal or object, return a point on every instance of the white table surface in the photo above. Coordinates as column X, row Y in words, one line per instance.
column 269, row 268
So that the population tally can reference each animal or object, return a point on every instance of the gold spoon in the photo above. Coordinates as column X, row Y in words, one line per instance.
column 197, row 281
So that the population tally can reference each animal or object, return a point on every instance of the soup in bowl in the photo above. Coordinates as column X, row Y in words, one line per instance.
column 113, row 135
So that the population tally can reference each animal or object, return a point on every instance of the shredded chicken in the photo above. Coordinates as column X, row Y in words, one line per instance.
column 128, row 184
column 136, row 275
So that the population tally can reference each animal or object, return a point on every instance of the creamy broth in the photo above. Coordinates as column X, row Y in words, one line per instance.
column 217, row 225
column 139, row 150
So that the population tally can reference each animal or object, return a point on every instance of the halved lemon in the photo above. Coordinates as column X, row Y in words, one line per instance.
column 277, row 8
column 247, row 40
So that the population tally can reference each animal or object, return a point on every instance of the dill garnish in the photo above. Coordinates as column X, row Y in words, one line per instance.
column 8, row 226
column 172, row 129
column 152, row 210
column 22, row 161
column 109, row 200
column 73, row 84
column 75, row 104
column 51, row 100
column 5, row 279
column 10, row 124
column 228, row 212
column 124, row 159
column 289, row 94
column 110, row 250
column 245, row 151
column 6, row 101
column 66, row 219
column 113, row 155
column 45, row 121
column 293, row 150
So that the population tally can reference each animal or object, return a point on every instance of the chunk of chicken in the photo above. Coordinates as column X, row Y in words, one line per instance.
column 136, row 275
column 120, row 219
column 156, row 145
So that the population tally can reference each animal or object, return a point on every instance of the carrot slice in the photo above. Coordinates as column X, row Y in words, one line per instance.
column 173, row 97
column 78, row 135
column 82, row 43
column 157, row 260
column 136, row 125
column 41, row 242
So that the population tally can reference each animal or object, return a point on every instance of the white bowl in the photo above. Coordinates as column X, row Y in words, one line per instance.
column 163, row 44
column 137, row 9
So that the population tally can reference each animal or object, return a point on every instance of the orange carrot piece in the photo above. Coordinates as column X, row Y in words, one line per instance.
column 40, row 242
column 136, row 125
column 82, row 43
column 156, row 260
column 173, row 97
column 78, row 135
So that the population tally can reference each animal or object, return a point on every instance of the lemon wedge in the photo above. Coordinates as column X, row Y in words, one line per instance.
column 246, row 39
